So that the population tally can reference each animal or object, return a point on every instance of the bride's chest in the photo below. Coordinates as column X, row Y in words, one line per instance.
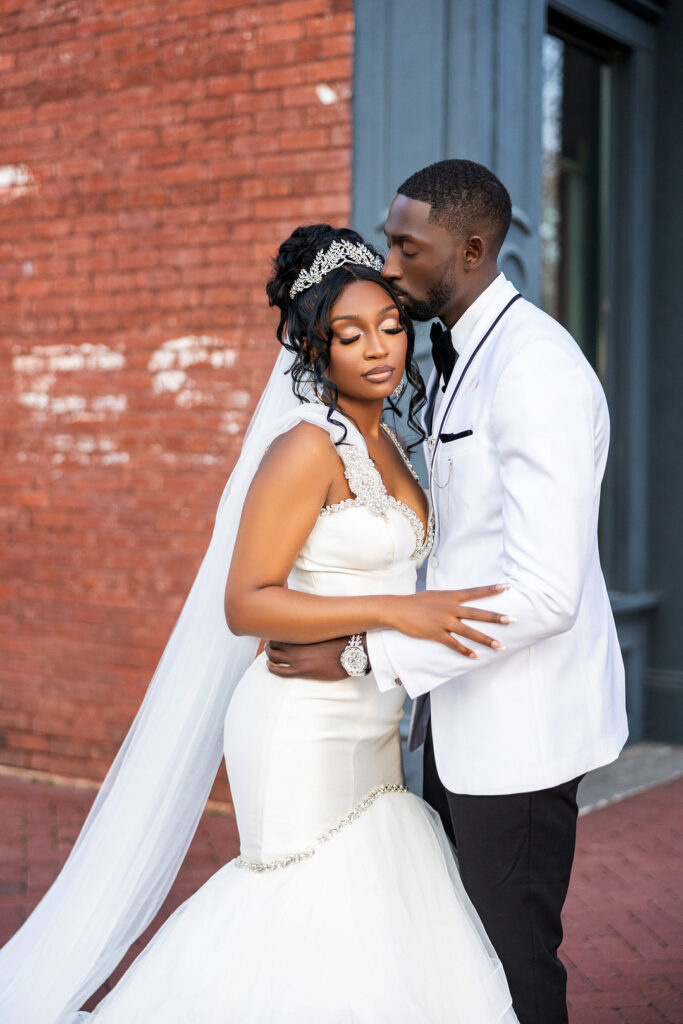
column 350, row 536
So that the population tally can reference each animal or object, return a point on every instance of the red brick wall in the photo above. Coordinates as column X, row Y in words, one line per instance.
column 152, row 156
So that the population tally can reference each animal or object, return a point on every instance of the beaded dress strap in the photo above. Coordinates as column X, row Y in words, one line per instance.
column 401, row 451
column 365, row 482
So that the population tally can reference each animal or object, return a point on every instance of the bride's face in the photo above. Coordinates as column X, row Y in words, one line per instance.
column 368, row 348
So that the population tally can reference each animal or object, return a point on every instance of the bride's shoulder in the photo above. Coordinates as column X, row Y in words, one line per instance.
column 305, row 444
column 299, row 467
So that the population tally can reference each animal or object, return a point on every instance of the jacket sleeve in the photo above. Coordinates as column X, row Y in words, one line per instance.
column 543, row 429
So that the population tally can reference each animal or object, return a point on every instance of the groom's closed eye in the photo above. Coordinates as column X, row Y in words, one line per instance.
column 445, row 438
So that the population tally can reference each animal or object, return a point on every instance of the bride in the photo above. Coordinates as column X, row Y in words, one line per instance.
column 345, row 905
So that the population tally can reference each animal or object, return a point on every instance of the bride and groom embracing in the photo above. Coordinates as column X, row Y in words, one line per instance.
column 348, row 902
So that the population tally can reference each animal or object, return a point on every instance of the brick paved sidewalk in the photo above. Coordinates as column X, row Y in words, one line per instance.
column 624, row 914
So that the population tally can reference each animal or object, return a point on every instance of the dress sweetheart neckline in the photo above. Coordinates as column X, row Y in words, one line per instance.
column 366, row 483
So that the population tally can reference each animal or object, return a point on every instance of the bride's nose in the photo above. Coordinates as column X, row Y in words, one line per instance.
column 376, row 345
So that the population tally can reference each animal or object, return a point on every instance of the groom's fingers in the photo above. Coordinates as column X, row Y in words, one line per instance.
column 276, row 653
column 279, row 670
column 276, row 660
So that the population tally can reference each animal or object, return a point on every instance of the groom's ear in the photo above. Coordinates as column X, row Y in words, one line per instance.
column 474, row 253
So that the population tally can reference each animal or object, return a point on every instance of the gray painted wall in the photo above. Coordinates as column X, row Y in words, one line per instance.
column 450, row 78
column 664, row 692
column 462, row 78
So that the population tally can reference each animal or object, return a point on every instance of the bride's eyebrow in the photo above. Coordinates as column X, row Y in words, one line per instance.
column 355, row 316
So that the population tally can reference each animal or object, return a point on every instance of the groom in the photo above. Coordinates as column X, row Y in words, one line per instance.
column 518, row 436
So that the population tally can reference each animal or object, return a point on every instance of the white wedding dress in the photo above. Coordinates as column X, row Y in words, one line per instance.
column 345, row 905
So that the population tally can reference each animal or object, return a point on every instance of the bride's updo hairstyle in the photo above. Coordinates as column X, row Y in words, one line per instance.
column 305, row 328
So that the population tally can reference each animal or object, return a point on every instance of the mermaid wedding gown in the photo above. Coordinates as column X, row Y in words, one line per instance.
column 345, row 905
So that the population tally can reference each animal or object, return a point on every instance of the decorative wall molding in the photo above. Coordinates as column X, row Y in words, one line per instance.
column 664, row 705
column 666, row 679
column 650, row 9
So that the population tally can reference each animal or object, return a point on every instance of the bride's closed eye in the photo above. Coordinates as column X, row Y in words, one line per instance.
column 392, row 325
column 355, row 337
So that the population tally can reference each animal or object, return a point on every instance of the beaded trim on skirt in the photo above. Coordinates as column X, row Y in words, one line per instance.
column 324, row 837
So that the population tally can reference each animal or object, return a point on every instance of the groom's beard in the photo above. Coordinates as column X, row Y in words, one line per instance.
column 439, row 295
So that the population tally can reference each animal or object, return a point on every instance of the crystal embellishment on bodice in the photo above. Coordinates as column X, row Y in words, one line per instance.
column 365, row 481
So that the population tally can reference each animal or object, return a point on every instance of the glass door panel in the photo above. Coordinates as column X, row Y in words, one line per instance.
column 576, row 174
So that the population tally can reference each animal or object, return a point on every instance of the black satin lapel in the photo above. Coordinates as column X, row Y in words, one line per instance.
column 428, row 414
column 448, row 402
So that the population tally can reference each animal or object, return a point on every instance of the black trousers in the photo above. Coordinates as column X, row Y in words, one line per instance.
column 515, row 854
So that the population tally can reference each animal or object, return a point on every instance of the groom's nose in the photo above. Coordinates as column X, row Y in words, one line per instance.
column 391, row 269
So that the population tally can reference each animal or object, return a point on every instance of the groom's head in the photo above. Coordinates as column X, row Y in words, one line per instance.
column 444, row 230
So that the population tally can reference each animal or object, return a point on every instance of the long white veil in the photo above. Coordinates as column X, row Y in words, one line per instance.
column 147, row 810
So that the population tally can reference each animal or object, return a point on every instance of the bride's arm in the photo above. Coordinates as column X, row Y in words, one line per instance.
column 280, row 510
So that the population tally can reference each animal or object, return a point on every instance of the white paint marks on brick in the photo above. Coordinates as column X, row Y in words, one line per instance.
column 110, row 403
column 168, row 380
column 67, row 405
column 326, row 94
column 34, row 400
column 170, row 363
column 64, row 358
column 87, row 449
column 16, row 180
column 230, row 423
column 84, row 444
column 187, row 399
column 238, row 399
column 39, row 373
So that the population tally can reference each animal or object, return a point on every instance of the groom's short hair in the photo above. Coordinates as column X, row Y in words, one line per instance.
column 466, row 198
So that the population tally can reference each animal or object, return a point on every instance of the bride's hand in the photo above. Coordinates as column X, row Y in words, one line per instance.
column 437, row 614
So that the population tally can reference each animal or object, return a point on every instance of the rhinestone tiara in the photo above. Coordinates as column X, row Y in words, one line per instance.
column 337, row 255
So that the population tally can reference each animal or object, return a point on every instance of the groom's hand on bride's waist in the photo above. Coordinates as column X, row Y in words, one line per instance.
column 307, row 661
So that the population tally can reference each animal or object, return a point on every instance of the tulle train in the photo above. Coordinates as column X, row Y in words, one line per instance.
column 375, row 928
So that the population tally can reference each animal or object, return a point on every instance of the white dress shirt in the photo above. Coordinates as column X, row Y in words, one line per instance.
column 516, row 502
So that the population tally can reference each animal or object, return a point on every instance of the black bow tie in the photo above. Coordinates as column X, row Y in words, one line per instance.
column 443, row 353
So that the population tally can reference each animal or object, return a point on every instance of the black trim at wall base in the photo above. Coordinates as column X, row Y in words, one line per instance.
column 664, row 706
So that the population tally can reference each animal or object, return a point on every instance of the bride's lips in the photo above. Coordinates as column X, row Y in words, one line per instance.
column 378, row 374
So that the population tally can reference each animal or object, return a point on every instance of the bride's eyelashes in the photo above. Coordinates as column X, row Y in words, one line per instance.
column 384, row 330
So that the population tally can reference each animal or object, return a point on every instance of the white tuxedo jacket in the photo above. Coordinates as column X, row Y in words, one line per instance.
column 515, row 487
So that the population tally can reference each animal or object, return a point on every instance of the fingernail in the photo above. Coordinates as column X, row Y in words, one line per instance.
column 473, row 655
column 502, row 586
column 506, row 620
column 498, row 646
